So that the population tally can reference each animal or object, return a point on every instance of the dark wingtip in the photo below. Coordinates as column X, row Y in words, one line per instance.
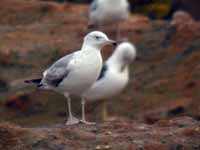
column 36, row 81
column 27, row 81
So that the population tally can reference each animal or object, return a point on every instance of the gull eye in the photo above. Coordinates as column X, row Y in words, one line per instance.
column 97, row 37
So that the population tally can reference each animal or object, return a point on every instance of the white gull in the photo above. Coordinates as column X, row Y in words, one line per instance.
column 108, row 12
column 114, row 74
column 76, row 72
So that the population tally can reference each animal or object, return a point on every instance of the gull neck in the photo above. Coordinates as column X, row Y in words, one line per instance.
column 88, row 47
column 117, row 60
column 114, row 2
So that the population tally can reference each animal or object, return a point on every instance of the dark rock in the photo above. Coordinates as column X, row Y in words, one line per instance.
column 62, row 114
column 177, row 147
column 176, row 111
column 3, row 86
column 24, row 103
column 191, row 85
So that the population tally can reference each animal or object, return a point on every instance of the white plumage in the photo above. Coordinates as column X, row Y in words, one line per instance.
column 114, row 75
column 76, row 72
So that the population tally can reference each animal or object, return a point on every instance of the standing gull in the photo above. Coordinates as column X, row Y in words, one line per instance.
column 109, row 11
column 76, row 72
column 114, row 74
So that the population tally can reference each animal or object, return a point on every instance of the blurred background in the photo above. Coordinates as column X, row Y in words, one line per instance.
column 156, row 9
column 165, row 77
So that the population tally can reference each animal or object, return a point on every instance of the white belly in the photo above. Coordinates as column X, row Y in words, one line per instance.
column 109, row 86
column 84, row 74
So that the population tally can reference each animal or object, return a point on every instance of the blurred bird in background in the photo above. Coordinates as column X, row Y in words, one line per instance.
column 114, row 75
column 106, row 12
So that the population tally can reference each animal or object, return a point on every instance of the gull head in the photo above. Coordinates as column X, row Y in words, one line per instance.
column 126, row 52
column 98, row 40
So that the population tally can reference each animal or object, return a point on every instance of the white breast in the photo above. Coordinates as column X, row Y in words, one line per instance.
column 87, row 67
column 112, row 84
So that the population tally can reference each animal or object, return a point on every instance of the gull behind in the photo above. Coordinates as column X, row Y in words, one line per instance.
column 109, row 12
column 114, row 74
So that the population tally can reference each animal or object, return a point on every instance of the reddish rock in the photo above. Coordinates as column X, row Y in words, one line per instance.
column 82, row 137
column 24, row 103
column 9, row 136
column 19, row 102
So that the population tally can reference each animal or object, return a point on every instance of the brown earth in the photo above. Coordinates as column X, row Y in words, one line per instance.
column 164, row 85
column 178, row 134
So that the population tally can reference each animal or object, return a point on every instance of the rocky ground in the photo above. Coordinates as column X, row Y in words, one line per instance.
column 178, row 134
column 160, row 108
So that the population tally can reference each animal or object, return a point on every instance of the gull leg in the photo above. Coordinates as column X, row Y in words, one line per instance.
column 104, row 111
column 71, row 119
column 83, row 120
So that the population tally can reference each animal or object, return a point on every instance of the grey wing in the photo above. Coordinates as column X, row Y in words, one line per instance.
column 94, row 5
column 57, row 72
